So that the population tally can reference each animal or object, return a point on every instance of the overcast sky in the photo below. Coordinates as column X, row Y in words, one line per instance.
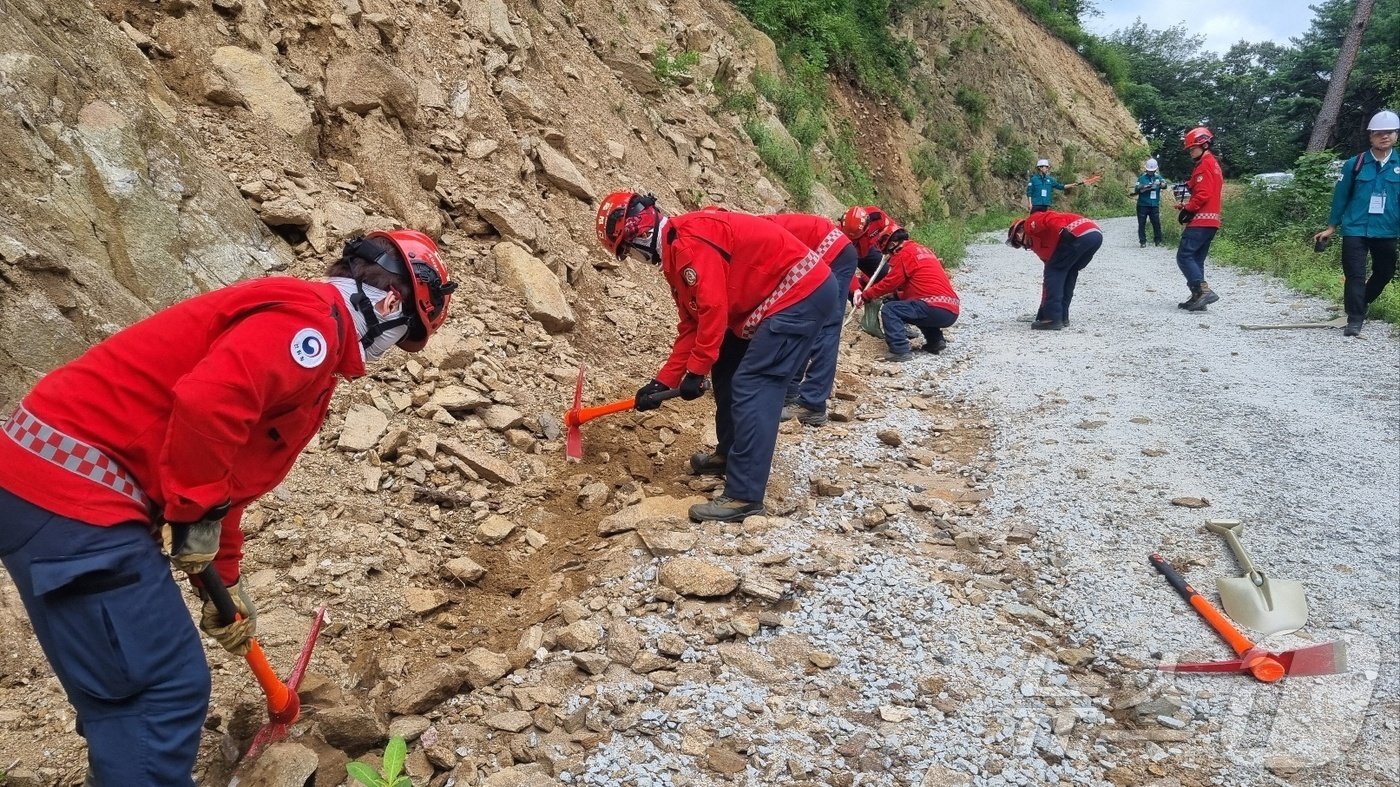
column 1222, row 24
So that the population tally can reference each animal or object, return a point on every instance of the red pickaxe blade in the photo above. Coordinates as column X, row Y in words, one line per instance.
column 573, row 442
column 1329, row 658
column 275, row 731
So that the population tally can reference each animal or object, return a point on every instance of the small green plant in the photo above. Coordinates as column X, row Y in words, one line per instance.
column 672, row 69
column 974, row 103
column 1013, row 161
column 394, row 755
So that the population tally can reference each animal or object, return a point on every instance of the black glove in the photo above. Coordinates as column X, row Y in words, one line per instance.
column 646, row 392
column 1185, row 216
column 692, row 386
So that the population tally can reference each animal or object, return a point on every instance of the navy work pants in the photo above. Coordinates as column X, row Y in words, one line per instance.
column 751, row 377
column 1360, row 291
column 1191, row 253
column 931, row 320
column 1062, row 273
column 118, row 636
column 812, row 384
column 1144, row 214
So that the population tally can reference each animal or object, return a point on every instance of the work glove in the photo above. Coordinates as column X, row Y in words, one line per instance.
column 1184, row 216
column 857, row 299
column 692, row 386
column 646, row 392
column 193, row 545
column 237, row 636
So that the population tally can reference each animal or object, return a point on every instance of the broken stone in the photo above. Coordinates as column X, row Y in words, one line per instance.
column 667, row 543
column 890, row 437
column 495, row 529
column 363, row 427
column 510, row 721
column 464, row 569
column 427, row 688
column 483, row 667
column 697, row 578
column 537, row 284
column 420, row 601
column 501, row 417
column 1191, row 502
column 580, row 635
column 658, row 510
column 559, row 170
column 823, row 660
column 350, row 728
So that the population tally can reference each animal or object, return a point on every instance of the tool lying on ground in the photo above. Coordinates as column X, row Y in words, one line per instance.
column 1340, row 322
column 579, row 415
column 1255, row 600
column 1326, row 659
column 283, row 704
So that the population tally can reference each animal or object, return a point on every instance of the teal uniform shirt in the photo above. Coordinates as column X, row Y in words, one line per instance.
column 1149, row 197
column 1041, row 189
column 1373, row 211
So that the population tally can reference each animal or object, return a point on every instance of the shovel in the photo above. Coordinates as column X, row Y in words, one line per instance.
column 1269, row 606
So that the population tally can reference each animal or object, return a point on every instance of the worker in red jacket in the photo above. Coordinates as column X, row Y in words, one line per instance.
column 1201, row 215
column 168, row 429
column 752, row 300
column 1065, row 242
column 809, row 389
column 862, row 224
column 924, row 297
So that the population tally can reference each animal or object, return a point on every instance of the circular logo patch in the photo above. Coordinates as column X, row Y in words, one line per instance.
column 690, row 276
column 308, row 348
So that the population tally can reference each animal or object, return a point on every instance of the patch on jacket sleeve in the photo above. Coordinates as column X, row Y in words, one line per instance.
column 309, row 348
column 690, row 276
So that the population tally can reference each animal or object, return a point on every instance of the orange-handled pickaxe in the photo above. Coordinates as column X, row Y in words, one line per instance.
column 579, row 415
column 283, row 704
column 1326, row 659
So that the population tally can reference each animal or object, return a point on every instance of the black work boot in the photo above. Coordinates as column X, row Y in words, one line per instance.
column 725, row 509
column 936, row 346
column 1205, row 296
column 804, row 415
column 1353, row 326
column 1195, row 296
column 706, row 464
column 895, row 357
column 1047, row 325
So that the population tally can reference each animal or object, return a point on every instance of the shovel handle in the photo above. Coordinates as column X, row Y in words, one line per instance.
column 1227, row 631
column 283, row 705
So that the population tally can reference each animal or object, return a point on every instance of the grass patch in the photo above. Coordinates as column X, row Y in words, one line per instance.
column 949, row 239
column 672, row 69
column 855, row 185
column 790, row 164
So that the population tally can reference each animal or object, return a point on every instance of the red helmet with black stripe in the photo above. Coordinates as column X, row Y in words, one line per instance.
column 1197, row 136
column 623, row 216
column 417, row 261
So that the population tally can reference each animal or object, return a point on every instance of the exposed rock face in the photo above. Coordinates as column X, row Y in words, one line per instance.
column 544, row 298
column 255, row 79
column 110, row 212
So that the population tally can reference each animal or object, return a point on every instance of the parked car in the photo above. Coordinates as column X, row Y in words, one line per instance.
column 1269, row 181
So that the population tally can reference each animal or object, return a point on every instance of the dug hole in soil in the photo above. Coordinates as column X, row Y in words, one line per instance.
column 951, row 587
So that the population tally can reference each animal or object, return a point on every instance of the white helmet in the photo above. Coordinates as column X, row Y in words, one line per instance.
column 1045, row 162
column 1150, row 165
column 1384, row 120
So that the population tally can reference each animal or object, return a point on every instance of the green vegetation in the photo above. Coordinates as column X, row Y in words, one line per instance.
column 791, row 164
column 949, row 239
column 394, row 755
column 1271, row 231
column 974, row 104
column 853, row 37
column 672, row 69
column 855, row 185
column 1062, row 18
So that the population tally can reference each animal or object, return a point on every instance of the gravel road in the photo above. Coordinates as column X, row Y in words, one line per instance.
column 1026, row 660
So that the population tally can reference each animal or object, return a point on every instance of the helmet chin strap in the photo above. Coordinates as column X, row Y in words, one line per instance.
column 370, row 325
column 647, row 247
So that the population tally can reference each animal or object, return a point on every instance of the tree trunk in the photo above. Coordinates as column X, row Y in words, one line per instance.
column 1337, row 85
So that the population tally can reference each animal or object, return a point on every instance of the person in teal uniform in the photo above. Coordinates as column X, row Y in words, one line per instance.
column 1149, row 199
column 1366, row 205
column 1040, row 192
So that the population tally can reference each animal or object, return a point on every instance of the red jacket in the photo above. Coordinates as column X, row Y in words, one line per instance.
column 866, row 243
column 204, row 403
column 1043, row 230
column 1206, row 184
column 916, row 274
column 723, row 268
column 814, row 232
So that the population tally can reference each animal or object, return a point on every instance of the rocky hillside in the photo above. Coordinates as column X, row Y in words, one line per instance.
column 150, row 150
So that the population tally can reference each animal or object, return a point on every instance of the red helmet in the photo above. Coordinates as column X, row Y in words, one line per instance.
column 885, row 234
column 854, row 222
column 622, row 216
column 1199, row 135
column 1016, row 227
column 431, row 285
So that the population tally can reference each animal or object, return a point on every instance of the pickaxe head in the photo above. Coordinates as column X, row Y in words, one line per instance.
column 1329, row 658
column 573, row 442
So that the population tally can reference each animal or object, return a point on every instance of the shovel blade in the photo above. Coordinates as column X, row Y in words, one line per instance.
column 1274, row 606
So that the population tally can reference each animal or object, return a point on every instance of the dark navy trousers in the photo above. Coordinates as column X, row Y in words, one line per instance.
column 751, row 377
column 1062, row 273
column 1191, row 253
column 895, row 314
column 116, row 632
column 812, row 384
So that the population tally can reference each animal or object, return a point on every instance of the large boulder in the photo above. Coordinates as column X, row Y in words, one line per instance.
column 361, row 82
column 544, row 297
column 266, row 93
